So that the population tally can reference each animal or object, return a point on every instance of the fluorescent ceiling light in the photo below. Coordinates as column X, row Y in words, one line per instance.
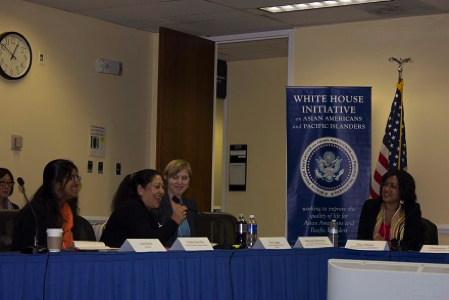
column 316, row 4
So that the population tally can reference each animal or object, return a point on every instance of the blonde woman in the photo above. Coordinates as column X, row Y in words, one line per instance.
column 178, row 175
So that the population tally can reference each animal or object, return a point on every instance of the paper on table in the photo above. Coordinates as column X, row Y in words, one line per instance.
column 88, row 245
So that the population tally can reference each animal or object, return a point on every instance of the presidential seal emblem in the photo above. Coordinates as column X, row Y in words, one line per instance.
column 329, row 167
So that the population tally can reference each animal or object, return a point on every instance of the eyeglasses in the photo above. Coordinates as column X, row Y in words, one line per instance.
column 391, row 185
column 7, row 183
column 74, row 177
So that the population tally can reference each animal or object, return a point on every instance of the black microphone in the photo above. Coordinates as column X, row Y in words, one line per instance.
column 32, row 249
column 226, row 245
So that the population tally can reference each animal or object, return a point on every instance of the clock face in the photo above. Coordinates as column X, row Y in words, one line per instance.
column 15, row 55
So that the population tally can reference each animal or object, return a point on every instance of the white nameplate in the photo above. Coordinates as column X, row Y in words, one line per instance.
column 142, row 245
column 308, row 242
column 272, row 243
column 192, row 244
column 367, row 245
column 435, row 249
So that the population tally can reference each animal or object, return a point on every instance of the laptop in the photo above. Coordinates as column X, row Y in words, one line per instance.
column 7, row 217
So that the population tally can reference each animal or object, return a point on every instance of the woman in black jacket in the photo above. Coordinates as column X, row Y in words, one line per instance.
column 133, row 217
column 395, row 216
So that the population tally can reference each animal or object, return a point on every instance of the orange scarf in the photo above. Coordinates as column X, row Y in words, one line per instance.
column 67, row 224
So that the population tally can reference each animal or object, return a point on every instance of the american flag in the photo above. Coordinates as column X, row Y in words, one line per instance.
column 393, row 151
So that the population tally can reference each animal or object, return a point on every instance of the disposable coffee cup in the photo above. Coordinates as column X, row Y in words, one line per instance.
column 54, row 239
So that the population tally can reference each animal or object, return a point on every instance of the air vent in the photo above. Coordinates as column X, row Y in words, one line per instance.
column 399, row 8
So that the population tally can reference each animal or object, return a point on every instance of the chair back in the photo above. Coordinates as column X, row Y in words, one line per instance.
column 429, row 232
column 82, row 230
column 218, row 227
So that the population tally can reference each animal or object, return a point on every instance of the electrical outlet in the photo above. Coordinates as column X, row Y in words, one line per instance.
column 41, row 58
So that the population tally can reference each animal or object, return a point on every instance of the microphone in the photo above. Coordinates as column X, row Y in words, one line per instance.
column 226, row 245
column 32, row 249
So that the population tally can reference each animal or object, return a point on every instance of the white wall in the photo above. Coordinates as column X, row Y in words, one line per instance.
column 257, row 117
column 55, row 104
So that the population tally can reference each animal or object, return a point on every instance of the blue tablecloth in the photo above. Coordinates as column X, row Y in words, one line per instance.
column 242, row 274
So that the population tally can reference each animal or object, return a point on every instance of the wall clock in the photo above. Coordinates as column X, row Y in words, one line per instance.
column 15, row 55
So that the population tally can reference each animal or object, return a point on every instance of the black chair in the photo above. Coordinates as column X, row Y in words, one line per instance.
column 82, row 230
column 429, row 232
column 218, row 227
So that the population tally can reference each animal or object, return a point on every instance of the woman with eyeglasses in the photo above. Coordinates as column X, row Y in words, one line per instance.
column 55, row 205
column 395, row 216
column 6, row 189
column 133, row 217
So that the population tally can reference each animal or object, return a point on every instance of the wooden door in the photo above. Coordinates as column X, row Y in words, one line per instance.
column 185, row 108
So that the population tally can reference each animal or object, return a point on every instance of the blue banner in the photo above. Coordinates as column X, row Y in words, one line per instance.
column 328, row 159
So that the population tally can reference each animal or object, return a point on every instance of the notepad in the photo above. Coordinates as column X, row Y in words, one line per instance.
column 91, row 246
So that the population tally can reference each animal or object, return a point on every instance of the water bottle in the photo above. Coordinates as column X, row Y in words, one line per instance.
column 251, row 232
column 240, row 232
column 333, row 232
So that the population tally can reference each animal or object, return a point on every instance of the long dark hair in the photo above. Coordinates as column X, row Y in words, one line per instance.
column 3, row 172
column 128, row 187
column 406, row 185
column 56, row 171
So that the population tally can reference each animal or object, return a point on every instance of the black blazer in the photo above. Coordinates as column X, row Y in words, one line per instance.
column 25, row 227
column 133, row 220
column 412, row 227
column 165, row 211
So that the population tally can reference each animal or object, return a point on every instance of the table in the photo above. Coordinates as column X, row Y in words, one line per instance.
column 241, row 274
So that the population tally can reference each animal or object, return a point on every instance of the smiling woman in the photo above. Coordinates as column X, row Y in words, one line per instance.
column 54, row 205
column 178, row 175
column 395, row 216
column 133, row 217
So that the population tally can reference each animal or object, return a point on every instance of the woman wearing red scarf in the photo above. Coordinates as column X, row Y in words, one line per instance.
column 55, row 205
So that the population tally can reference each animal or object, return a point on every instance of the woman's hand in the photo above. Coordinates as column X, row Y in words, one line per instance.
column 179, row 213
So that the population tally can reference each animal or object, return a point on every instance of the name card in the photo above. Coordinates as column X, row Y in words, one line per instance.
column 435, row 249
column 142, row 245
column 367, row 245
column 313, row 242
column 192, row 244
column 272, row 243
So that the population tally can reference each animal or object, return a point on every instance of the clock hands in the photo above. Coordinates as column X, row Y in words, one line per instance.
column 12, row 54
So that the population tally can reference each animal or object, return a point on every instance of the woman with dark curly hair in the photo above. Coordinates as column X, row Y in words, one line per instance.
column 6, row 189
column 133, row 217
column 395, row 216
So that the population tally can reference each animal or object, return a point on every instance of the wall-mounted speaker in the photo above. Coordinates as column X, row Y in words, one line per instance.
column 222, row 78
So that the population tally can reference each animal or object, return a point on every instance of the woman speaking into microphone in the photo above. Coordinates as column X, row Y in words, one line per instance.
column 133, row 217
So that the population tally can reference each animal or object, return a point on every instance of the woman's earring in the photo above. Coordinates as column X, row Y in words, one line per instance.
column 402, row 201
